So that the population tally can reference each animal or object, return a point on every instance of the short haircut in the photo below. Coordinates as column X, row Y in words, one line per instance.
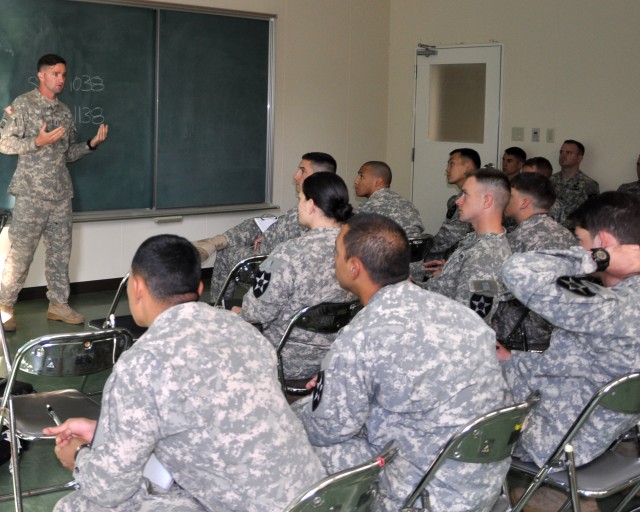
column 519, row 153
column 468, row 154
column 321, row 162
column 380, row 170
column 536, row 186
column 496, row 181
column 50, row 59
column 382, row 246
column 329, row 193
column 541, row 164
column 615, row 212
column 579, row 145
column 170, row 266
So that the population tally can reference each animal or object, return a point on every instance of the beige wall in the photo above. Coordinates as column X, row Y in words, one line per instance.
column 331, row 94
column 569, row 65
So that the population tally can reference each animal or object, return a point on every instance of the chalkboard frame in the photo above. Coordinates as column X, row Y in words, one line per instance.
column 154, row 210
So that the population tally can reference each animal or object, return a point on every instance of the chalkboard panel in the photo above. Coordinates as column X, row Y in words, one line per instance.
column 210, row 117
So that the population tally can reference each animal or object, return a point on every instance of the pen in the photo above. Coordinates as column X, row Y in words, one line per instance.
column 53, row 415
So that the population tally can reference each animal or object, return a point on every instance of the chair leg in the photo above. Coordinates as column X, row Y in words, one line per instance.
column 15, row 467
column 573, row 479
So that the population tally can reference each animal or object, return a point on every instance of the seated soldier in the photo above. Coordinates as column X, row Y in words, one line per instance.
column 245, row 239
column 300, row 273
column 512, row 161
column 472, row 274
column 542, row 166
column 461, row 161
column 186, row 392
column 373, row 182
column 634, row 186
column 595, row 336
column 412, row 366
column 531, row 197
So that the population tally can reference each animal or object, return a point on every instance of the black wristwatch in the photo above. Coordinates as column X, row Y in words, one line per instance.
column 601, row 258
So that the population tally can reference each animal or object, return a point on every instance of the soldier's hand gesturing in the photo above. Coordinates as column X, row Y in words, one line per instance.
column 45, row 138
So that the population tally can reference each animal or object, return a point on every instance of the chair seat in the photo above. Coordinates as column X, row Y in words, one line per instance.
column 32, row 415
column 608, row 474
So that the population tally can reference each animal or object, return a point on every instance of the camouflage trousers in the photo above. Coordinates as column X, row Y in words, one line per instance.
column 175, row 500
column 33, row 219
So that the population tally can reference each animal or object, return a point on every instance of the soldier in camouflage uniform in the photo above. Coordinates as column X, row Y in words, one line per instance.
column 472, row 274
column 40, row 129
column 633, row 187
column 597, row 328
column 245, row 239
column 460, row 162
column 300, row 273
column 572, row 186
column 186, row 391
column 542, row 166
column 411, row 367
column 531, row 197
column 373, row 182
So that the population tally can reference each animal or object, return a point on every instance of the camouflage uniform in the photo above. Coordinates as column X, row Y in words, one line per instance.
column 199, row 390
column 630, row 188
column 596, row 338
column 296, row 274
column 472, row 273
column 412, row 367
column 451, row 232
column 538, row 232
column 43, row 190
column 392, row 205
column 572, row 193
column 241, row 238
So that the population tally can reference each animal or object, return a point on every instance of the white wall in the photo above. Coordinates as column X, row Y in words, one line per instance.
column 570, row 65
column 331, row 93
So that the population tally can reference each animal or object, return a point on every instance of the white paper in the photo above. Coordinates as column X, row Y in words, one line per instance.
column 265, row 222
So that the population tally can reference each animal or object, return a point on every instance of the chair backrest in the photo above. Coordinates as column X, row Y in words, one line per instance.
column 350, row 490
column 67, row 355
column 324, row 318
column 488, row 438
column 4, row 217
column 242, row 274
column 420, row 246
column 112, row 309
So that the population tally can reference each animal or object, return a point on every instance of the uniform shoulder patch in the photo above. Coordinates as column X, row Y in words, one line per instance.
column 576, row 285
column 262, row 283
column 483, row 294
column 317, row 391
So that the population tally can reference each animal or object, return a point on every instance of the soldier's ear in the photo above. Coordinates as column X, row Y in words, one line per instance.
column 605, row 239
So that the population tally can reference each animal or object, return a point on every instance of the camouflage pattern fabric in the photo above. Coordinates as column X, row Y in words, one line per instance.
column 412, row 366
column 298, row 273
column 43, row 190
column 241, row 239
column 573, row 192
column 199, row 390
column 472, row 274
column 451, row 231
column 596, row 338
column 392, row 205
column 538, row 232
column 630, row 188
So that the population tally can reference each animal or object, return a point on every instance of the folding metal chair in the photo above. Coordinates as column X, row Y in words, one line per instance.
column 58, row 355
column 609, row 474
column 125, row 321
column 419, row 246
column 4, row 217
column 488, row 438
column 243, row 275
column 324, row 318
column 350, row 490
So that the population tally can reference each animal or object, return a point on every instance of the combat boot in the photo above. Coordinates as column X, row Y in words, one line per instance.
column 8, row 320
column 208, row 246
column 64, row 313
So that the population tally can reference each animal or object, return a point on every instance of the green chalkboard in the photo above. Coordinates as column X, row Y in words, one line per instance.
column 185, row 94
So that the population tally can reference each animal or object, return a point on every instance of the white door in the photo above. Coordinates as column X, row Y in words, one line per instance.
column 457, row 104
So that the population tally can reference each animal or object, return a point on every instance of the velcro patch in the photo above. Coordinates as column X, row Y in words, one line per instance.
column 576, row 285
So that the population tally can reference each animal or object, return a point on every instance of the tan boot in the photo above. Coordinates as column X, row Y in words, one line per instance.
column 64, row 313
column 548, row 499
column 208, row 246
column 8, row 320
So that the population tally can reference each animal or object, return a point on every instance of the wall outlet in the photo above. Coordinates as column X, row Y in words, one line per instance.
column 517, row 134
column 535, row 134
column 551, row 135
